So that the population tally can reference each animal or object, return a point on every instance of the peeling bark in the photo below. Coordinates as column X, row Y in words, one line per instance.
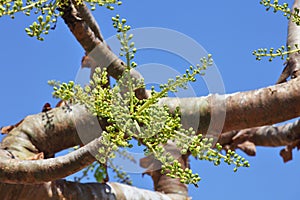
column 272, row 136
column 268, row 136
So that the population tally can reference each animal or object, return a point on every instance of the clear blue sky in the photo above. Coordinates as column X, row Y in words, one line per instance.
column 230, row 30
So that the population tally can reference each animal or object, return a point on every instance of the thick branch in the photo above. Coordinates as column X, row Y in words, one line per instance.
column 260, row 107
column 272, row 136
column 39, row 171
column 62, row 189
column 86, row 14
column 268, row 136
column 48, row 132
column 287, row 135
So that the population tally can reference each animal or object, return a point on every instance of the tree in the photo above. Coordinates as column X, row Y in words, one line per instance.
column 272, row 115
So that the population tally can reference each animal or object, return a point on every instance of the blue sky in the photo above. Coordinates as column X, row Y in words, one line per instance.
column 229, row 30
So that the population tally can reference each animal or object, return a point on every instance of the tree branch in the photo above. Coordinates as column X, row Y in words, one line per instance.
column 89, row 19
column 268, row 136
column 96, row 49
column 62, row 189
column 39, row 171
column 49, row 132
column 254, row 108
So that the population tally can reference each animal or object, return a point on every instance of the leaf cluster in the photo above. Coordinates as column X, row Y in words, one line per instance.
column 109, row 4
column 143, row 120
column 47, row 11
column 283, row 8
column 282, row 52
